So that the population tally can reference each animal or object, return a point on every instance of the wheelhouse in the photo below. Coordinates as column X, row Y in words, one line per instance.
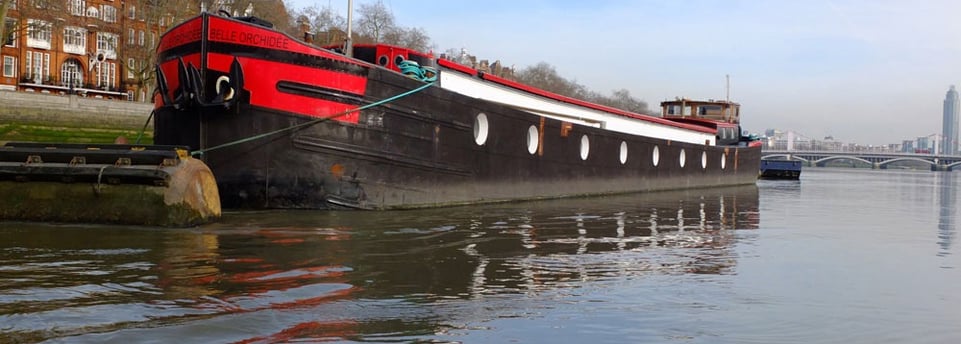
column 720, row 115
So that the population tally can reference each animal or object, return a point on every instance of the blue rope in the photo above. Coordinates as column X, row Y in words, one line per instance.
column 414, row 70
column 257, row 137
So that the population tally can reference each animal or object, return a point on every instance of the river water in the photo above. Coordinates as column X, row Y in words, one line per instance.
column 843, row 256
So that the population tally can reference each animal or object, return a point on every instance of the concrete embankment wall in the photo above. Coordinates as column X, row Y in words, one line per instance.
column 25, row 107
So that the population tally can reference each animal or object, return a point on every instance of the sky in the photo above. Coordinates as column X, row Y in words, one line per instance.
column 870, row 72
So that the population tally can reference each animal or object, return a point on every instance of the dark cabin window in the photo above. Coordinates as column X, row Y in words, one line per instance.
column 367, row 54
column 420, row 59
column 709, row 110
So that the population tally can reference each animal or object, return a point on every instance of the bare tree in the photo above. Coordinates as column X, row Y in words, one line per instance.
column 5, row 29
column 623, row 100
column 413, row 38
column 139, row 47
column 326, row 26
column 273, row 11
column 375, row 21
column 43, row 15
column 545, row 76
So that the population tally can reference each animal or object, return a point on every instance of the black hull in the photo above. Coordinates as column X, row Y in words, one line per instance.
column 780, row 169
column 420, row 151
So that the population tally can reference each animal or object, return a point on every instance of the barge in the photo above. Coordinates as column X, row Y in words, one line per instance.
column 285, row 124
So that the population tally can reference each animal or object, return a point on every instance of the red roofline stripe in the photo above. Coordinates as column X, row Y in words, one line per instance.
column 578, row 102
column 457, row 66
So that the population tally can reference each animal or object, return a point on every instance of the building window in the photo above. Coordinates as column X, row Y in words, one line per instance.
column 13, row 5
column 131, row 64
column 132, row 12
column 37, row 66
column 107, row 44
column 39, row 33
column 141, row 38
column 106, row 74
column 9, row 66
column 153, row 39
column 71, row 73
column 109, row 13
column 11, row 26
column 92, row 12
column 75, row 40
column 131, row 36
column 76, row 7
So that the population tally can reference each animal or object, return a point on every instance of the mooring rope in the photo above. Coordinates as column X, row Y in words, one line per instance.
column 140, row 135
column 305, row 124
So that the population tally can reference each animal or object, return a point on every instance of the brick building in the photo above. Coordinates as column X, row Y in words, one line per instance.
column 92, row 48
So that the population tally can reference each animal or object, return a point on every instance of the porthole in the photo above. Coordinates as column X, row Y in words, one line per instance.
column 585, row 147
column 623, row 152
column 480, row 129
column 382, row 60
column 532, row 139
column 723, row 161
column 703, row 160
column 656, row 156
column 398, row 59
column 682, row 158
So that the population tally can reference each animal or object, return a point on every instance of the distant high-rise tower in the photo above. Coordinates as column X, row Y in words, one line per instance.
column 949, row 128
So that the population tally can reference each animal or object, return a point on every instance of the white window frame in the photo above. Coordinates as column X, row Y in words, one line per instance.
column 131, row 36
column 39, row 34
column 37, row 64
column 132, row 12
column 13, row 25
column 93, row 12
column 77, row 7
column 107, row 74
column 141, row 38
column 9, row 66
column 131, row 64
column 68, row 74
column 107, row 44
column 75, row 40
column 28, row 68
column 108, row 13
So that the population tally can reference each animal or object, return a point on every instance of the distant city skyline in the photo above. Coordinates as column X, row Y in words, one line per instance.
column 949, row 126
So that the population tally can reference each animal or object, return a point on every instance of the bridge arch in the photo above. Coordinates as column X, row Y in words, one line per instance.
column 842, row 157
column 952, row 166
column 926, row 161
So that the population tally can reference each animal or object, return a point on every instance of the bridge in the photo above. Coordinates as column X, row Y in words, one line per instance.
column 877, row 160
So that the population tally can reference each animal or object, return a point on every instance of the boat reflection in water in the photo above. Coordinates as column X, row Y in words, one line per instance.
column 392, row 275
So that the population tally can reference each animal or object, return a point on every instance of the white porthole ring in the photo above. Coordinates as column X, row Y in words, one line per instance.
column 585, row 147
column 623, row 152
column 226, row 79
column 532, row 137
column 481, row 129
column 656, row 156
